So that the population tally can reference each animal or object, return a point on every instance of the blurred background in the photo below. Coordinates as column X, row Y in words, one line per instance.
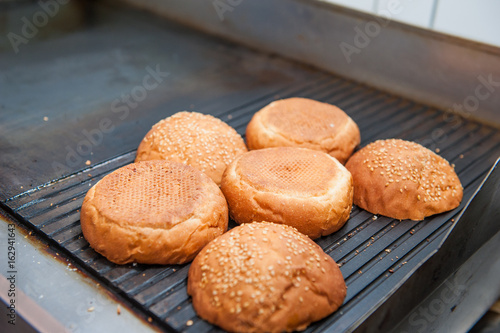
column 477, row 20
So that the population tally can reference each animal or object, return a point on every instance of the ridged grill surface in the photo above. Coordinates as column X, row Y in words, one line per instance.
column 375, row 253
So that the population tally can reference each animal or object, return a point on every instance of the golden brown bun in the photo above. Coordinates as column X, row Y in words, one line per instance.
column 304, row 188
column 154, row 212
column 301, row 122
column 264, row 277
column 403, row 180
column 192, row 138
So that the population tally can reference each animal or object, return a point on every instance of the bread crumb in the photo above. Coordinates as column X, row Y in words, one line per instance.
column 374, row 217
column 118, row 309
column 388, row 250
column 438, row 150
column 45, row 118
column 189, row 323
column 87, row 162
column 496, row 307
column 461, row 156
column 150, row 319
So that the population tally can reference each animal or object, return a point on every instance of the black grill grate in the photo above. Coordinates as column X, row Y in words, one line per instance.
column 375, row 254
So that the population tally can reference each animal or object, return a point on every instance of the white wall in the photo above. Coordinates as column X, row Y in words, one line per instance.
column 473, row 19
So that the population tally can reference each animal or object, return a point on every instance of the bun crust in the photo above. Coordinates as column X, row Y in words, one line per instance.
column 192, row 138
column 403, row 180
column 306, row 189
column 153, row 212
column 301, row 122
column 264, row 277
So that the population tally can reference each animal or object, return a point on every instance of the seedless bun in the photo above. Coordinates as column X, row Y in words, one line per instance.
column 154, row 212
column 403, row 180
column 264, row 277
column 302, row 122
column 307, row 189
column 192, row 138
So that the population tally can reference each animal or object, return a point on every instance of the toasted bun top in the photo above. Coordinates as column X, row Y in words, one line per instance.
column 264, row 277
column 306, row 123
column 308, row 119
column 199, row 140
column 287, row 170
column 307, row 189
column 154, row 194
column 403, row 180
column 153, row 212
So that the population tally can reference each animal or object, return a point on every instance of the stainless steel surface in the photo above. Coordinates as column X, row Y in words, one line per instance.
column 58, row 288
column 442, row 71
column 462, row 298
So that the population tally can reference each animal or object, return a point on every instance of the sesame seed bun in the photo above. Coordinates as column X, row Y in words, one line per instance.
column 192, row 138
column 153, row 212
column 264, row 277
column 302, row 122
column 304, row 188
column 403, row 180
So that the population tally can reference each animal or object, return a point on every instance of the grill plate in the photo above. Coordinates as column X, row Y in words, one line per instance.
column 375, row 255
